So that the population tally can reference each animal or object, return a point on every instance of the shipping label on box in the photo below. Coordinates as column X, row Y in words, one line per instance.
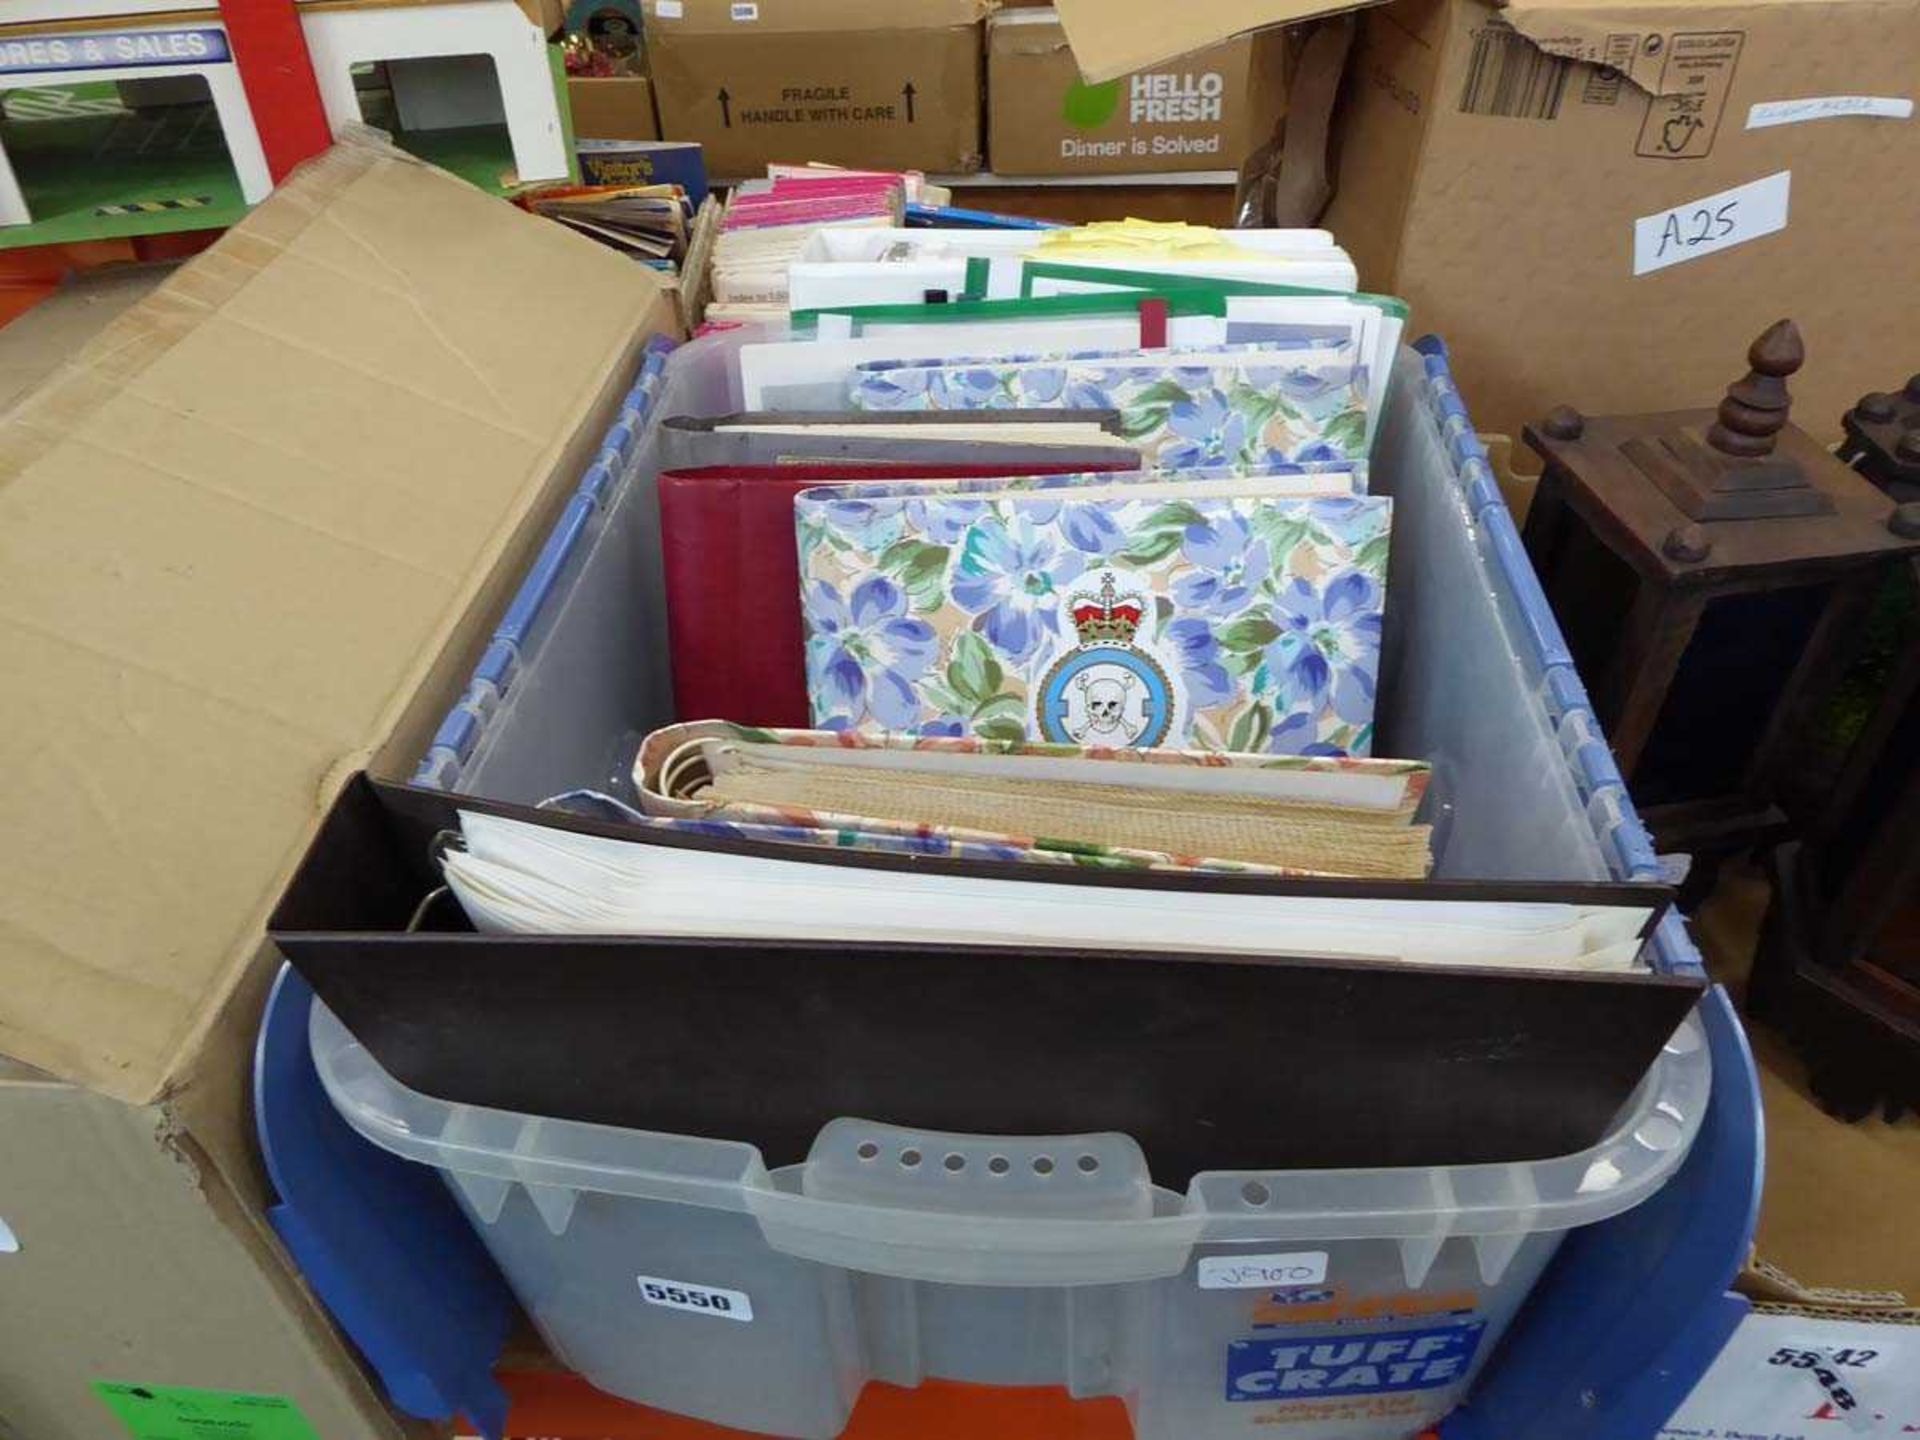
column 1798, row 1377
column 1202, row 111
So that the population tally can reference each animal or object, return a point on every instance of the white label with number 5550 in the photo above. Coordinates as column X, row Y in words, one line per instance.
column 698, row 1299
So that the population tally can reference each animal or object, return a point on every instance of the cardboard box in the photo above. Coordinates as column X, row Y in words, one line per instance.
column 549, row 15
column 255, row 530
column 1204, row 111
column 1586, row 202
column 612, row 107
column 849, row 82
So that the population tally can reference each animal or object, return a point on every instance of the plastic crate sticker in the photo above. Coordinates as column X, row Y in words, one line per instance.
column 173, row 1412
column 696, row 1299
column 1262, row 1272
column 1335, row 1305
column 1329, row 1367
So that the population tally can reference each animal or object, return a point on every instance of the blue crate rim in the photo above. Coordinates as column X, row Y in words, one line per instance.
column 1623, row 839
column 459, row 731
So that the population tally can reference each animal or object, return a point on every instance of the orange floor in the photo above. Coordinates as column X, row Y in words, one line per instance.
column 563, row 1407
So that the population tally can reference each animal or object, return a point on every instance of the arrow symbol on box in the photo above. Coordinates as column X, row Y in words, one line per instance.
column 726, row 111
column 909, row 92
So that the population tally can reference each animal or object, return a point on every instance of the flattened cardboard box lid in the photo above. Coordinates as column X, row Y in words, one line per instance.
column 1111, row 38
column 733, row 17
column 236, row 532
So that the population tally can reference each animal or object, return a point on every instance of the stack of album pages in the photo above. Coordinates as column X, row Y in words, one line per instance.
column 513, row 876
column 1051, row 617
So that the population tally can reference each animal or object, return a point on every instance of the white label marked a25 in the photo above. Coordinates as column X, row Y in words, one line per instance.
column 1711, row 224
column 698, row 1299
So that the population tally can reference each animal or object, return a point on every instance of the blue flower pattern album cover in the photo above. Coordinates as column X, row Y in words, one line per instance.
column 1244, row 407
column 1241, row 623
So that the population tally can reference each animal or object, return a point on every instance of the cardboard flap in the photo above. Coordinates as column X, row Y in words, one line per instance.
column 235, row 532
column 725, row 17
column 1115, row 37
column 1026, row 32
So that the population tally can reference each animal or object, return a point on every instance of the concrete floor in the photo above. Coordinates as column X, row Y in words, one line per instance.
column 1842, row 1202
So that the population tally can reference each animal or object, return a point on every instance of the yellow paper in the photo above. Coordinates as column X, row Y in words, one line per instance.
column 1141, row 240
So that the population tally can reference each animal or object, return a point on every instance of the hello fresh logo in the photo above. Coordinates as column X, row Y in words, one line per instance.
column 1175, row 99
column 1165, row 98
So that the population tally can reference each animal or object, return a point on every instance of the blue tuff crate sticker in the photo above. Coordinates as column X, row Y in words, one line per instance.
column 1339, row 1365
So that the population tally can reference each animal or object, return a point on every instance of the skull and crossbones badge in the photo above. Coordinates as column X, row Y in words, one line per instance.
column 1106, row 691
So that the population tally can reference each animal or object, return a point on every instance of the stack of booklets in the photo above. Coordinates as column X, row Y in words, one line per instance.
column 1041, row 803
column 515, row 876
column 1217, row 561
column 767, row 223
column 645, row 162
column 879, row 267
column 649, row 222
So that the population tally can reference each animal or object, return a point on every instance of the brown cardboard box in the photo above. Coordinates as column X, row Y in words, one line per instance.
column 1204, row 111
column 1510, row 187
column 850, row 82
column 549, row 15
column 253, row 529
column 612, row 107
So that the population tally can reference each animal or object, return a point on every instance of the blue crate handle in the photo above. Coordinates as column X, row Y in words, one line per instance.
column 377, row 1238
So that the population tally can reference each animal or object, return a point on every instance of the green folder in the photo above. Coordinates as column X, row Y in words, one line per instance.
column 1169, row 285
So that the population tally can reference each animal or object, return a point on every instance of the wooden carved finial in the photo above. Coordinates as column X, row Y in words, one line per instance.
column 1755, row 408
column 1876, row 408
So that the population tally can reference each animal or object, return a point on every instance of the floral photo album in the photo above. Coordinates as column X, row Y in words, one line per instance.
column 1243, row 406
column 1240, row 613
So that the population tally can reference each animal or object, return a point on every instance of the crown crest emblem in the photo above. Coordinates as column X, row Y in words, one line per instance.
column 1109, row 618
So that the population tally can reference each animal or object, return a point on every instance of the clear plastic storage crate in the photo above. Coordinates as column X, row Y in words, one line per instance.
column 679, row 1272
column 682, row 1273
